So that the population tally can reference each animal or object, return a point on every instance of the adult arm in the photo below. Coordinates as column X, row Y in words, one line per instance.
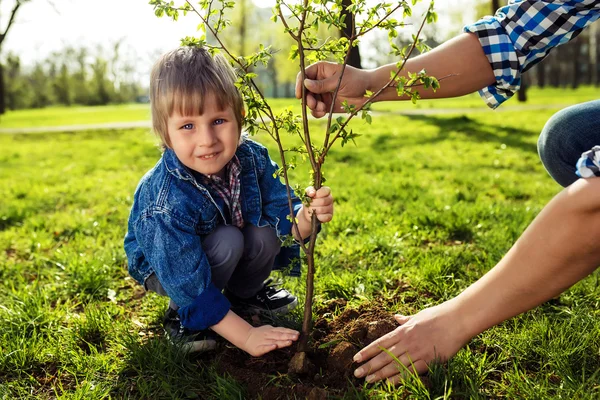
column 490, row 58
column 465, row 74
column 552, row 254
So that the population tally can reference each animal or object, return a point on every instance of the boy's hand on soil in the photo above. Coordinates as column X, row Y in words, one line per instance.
column 434, row 334
column 266, row 338
column 321, row 204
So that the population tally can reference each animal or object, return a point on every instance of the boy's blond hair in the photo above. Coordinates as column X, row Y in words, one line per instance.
column 180, row 81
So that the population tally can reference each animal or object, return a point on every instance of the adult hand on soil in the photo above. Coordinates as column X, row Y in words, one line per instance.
column 321, row 204
column 434, row 334
column 266, row 338
column 322, row 79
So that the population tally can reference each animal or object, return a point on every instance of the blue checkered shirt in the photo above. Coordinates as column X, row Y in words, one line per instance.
column 522, row 33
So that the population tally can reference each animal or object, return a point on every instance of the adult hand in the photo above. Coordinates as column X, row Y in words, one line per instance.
column 322, row 79
column 434, row 334
column 266, row 338
column 321, row 204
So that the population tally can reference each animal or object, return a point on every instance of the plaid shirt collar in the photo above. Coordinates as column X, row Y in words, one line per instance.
column 229, row 189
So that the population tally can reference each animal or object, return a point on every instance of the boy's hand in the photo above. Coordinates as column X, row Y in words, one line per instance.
column 321, row 204
column 266, row 338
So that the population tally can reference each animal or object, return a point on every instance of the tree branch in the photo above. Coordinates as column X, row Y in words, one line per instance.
column 361, row 33
column 11, row 20
column 370, row 99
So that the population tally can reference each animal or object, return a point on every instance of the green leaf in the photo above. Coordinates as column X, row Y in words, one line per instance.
column 330, row 343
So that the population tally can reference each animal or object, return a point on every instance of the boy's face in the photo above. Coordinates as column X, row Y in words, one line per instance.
column 207, row 142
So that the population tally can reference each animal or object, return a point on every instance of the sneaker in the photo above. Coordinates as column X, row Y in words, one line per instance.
column 190, row 341
column 269, row 300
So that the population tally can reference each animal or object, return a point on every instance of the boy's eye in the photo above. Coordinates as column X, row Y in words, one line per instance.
column 219, row 121
column 188, row 126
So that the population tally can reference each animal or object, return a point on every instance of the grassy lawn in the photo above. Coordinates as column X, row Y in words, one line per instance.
column 61, row 116
column 432, row 200
column 535, row 97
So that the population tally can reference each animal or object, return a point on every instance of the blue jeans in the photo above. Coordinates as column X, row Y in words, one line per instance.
column 566, row 135
column 240, row 260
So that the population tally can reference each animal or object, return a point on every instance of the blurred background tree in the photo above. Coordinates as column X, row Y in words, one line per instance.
column 74, row 75
column 92, row 74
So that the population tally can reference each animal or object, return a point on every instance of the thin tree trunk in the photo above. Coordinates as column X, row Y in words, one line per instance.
column 11, row 20
column 310, row 270
column 310, row 288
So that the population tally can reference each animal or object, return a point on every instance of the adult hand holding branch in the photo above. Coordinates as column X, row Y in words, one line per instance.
column 322, row 79
column 464, row 75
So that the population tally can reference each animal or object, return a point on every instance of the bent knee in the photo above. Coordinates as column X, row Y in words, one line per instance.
column 573, row 128
column 224, row 245
column 263, row 236
column 261, row 240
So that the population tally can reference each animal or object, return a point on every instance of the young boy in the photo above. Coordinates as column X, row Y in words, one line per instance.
column 210, row 214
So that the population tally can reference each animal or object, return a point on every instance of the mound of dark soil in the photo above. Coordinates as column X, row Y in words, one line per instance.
column 339, row 332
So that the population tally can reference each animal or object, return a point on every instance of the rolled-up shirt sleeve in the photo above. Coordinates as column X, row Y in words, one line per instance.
column 522, row 34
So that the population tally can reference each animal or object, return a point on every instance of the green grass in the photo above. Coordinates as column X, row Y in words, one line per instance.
column 63, row 116
column 433, row 200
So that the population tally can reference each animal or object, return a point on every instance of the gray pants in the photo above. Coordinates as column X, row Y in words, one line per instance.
column 240, row 260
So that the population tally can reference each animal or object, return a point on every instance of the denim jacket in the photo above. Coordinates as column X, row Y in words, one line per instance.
column 171, row 214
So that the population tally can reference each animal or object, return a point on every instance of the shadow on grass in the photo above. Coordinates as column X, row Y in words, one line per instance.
column 16, row 216
column 473, row 131
column 11, row 219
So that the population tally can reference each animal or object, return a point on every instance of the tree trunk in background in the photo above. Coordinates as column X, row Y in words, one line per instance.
column 522, row 93
column 348, row 31
column 495, row 6
column 288, row 90
column 575, row 62
column 593, row 46
column 272, row 69
column 541, row 74
column 11, row 20
column 2, row 91
column 554, row 69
